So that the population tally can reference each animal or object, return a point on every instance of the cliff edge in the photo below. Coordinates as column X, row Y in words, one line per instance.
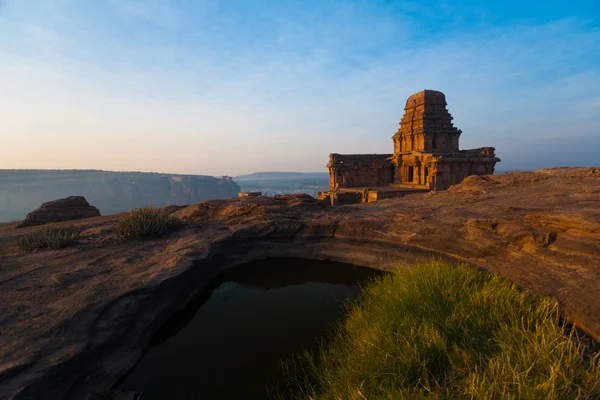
column 112, row 192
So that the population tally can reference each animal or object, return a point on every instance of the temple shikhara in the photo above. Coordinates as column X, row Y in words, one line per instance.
column 426, row 157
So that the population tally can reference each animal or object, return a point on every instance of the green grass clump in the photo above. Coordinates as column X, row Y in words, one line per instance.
column 439, row 332
column 56, row 237
column 146, row 221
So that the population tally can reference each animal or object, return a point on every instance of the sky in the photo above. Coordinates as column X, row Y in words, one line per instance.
column 228, row 87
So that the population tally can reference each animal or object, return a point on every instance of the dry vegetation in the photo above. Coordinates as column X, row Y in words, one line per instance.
column 55, row 237
column 147, row 221
column 440, row 332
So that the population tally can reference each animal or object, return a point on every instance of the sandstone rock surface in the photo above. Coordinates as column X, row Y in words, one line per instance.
column 68, row 209
column 73, row 321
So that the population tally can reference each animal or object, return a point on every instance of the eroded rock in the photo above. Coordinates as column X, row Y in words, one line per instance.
column 68, row 209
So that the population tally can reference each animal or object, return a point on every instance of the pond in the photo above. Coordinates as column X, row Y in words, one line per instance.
column 228, row 343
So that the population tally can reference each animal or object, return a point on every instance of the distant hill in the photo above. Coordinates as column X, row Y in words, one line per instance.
column 283, row 175
column 22, row 191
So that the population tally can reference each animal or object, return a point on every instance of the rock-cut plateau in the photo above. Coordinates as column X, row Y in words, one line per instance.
column 74, row 321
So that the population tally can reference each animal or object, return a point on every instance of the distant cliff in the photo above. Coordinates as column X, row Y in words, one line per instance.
column 21, row 191
column 283, row 175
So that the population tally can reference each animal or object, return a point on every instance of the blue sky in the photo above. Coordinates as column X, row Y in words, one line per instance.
column 231, row 87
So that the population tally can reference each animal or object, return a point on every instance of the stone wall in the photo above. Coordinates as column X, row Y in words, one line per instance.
column 453, row 169
column 359, row 170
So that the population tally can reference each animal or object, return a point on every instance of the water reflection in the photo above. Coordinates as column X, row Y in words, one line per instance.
column 228, row 343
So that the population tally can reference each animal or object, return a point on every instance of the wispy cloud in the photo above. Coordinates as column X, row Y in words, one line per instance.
column 206, row 88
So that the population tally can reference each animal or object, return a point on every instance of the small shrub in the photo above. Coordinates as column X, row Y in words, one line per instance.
column 146, row 221
column 56, row 237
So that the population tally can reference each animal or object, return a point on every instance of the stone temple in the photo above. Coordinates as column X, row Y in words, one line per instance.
column 426, row 157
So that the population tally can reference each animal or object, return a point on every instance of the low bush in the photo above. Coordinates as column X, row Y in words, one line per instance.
column 440, row 332
column 146, row 221
column 56, row 237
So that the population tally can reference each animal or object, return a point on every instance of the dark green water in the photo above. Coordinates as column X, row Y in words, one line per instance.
column 229, row 342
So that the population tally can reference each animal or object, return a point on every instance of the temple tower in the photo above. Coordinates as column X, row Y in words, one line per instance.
column 426, row 126
column 426, row 157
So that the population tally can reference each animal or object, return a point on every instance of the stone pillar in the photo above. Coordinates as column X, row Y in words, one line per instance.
column 332, row 178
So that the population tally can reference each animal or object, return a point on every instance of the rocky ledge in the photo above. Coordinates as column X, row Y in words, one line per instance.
column 73, row 321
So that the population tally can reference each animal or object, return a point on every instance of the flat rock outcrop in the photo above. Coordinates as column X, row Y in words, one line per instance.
column 67, row 209
column 74, row 321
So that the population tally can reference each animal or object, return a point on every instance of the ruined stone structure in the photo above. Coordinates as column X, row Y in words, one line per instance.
column 356, row 170
column 426, row 157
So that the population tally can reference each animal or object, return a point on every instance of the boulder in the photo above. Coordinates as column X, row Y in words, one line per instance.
column 73, row 207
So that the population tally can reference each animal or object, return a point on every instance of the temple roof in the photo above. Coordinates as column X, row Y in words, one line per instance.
column 425, row 114
column 432, row 97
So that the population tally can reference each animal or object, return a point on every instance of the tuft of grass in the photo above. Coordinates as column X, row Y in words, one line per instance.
column 146, row 221
column 435, row 331
column 55, row 237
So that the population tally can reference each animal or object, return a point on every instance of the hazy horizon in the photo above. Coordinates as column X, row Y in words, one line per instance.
column 324, row 171
column 228, row 88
